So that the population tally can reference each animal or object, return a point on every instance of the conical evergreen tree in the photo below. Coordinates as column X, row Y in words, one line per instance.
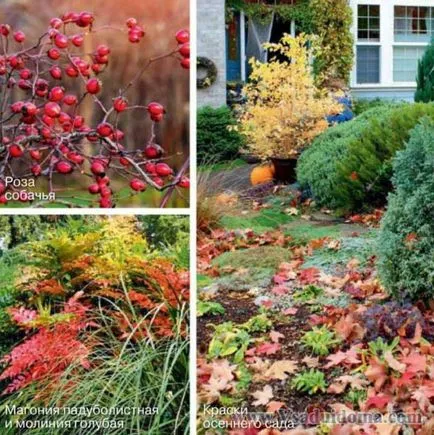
column 425, row 76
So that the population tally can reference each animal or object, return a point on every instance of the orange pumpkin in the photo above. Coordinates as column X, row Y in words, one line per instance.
column 262, row 174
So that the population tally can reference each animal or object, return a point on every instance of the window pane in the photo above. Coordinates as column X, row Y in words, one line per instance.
column 405, row 61
column 368, row 22
column 363, row 23
column 368, row 64
column 374, row 23
column 400, row 11
column 374, row 35
column 374, row 11
column 363, row 11
column 363, row 34
column 413, row 24
column 423, row 12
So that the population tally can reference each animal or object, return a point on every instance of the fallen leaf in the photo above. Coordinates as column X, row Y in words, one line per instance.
column 309, row 276
column 353, row 264
column 281, row 369
column 393, row 363
column 376, row 373
column 275, row 406
column 416, row 362
column 220, row 379
column 388, row 428
column 276, row 336
column 268, row 348
column 279, row 290
column 378, row 401
column 350, row 357
column 292, row 211
column 262, row 397
column 268, row 303
column 311, row 362
column 349, row 329
column 334, row 245
column 335, row 359
column 341, row 383
column 346, row 429
column 340, row 408
column 258, row 365
column 417, row 335
column 301, row 431
column 290, row 311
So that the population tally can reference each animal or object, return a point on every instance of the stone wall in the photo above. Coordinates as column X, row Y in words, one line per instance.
column 211, row 43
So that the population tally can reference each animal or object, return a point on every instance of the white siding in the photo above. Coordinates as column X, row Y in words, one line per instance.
column 211, row 43
column 387, row 86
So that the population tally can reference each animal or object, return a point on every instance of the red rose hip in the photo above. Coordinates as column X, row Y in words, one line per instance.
column 93, row 86
column 137, row 185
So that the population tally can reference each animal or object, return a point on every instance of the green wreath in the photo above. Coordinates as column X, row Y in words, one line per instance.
column 211, row 72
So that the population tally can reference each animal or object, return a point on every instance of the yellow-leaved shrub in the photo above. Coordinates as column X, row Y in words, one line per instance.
column 285, row 110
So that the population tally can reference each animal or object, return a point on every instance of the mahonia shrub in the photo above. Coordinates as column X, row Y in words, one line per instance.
column 406, row 241
column 425, row 79
column 74, row 273
column 350, row 166
column 44, row 131
column 285, row 110
column 333, row 20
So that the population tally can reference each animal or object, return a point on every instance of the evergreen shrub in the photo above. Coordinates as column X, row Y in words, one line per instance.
column 217, row 138
column 425, row 76
column 406, row 241
column 348, row 167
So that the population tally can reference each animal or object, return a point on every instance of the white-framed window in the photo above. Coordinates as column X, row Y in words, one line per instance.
column 405, row 62
column 368, row 23
column 391, row 37
column 368, row 64
column 413, row 23
column 368, row 51
column 412, row 31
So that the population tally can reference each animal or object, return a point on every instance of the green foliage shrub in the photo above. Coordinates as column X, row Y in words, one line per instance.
column 9, row 332
column 300, row 12
column 333, row 19
column 349, row 166
column 216, row 141
column 425, row 76
column 364, row 104
column 406, row 241
column 18, row 229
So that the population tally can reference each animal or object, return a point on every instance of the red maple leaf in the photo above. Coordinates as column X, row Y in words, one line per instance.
column 279, row 290
column 415, row 362
column 268, row 348
column 308, row 276
column 378, row 401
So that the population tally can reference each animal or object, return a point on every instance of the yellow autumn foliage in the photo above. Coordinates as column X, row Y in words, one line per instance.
column 285, row 111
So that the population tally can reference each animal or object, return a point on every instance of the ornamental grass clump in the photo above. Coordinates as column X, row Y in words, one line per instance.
column 285, row 111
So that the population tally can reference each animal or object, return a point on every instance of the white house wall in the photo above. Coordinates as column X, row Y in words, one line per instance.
column 387, row 88
column 211, row 43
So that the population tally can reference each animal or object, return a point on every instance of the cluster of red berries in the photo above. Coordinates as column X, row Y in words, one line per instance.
column 183, row 39
column 135, row 31
column 43, row 131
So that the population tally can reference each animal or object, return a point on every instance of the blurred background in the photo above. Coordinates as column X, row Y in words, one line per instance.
column 165, row 81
